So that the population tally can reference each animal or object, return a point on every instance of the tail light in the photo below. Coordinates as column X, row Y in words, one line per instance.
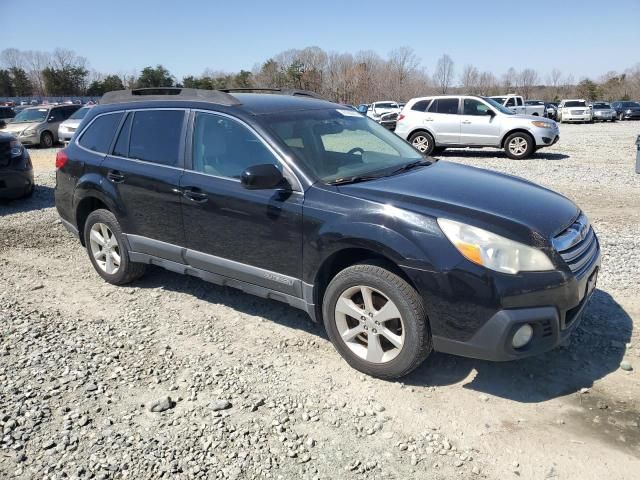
column 61, row 159
column 400, row 117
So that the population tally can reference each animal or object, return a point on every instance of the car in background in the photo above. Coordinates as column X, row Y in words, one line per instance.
column 68, row 127
column 626, row 110
column 363, row 108
column 439, row 122
column 551, row 110
column 516, row 104
column 6, row 115
column 574, row 110
column 39, row 125
column 602, row 112
column 16, row 170
column 385, row 113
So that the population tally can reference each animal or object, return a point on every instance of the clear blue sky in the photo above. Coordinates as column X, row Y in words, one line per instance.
column 585, row 38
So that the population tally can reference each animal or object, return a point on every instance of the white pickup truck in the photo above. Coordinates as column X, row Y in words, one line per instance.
column 516, row 104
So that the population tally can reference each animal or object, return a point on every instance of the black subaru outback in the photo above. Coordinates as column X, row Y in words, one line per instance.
column 301, row 200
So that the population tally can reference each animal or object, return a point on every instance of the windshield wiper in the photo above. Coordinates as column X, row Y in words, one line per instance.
column 354, row 179
column 410, row 166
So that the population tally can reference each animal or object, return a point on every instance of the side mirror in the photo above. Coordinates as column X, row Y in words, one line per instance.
column 491, row 113
column 261, row 177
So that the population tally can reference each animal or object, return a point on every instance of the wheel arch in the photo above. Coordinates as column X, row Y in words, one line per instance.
column 517, row 130
column 423, row 130
column 88, row 197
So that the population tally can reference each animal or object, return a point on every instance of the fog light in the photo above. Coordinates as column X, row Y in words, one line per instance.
column 522, row 336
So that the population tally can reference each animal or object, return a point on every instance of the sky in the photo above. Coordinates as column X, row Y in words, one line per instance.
column 584, row 38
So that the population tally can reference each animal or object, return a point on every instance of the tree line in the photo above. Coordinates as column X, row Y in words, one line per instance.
column 343, row 77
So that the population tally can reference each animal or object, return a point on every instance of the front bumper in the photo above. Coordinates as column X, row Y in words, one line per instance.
column 604, row 116
column 576, row 118
column 15, row 183
column 29, row 139
column 631, row 116
column 545, row 137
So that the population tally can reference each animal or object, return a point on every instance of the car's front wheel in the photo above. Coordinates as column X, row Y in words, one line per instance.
column 423, row 142
column 107, row 250
column 519, row 145
column 376, row 321
column 46, row 140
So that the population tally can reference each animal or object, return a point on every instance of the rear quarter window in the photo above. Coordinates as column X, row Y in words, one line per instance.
column 98, row 136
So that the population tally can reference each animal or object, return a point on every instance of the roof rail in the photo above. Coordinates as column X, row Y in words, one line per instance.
column 169, row 93
column 281, row 91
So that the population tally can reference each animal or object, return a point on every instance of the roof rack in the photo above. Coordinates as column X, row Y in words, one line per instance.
column 281, row 91
column 169, row 93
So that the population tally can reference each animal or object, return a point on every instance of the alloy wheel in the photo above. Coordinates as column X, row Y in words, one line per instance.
column 105, row 248
column 518, row 145
column 370, row 324
column 421, row 143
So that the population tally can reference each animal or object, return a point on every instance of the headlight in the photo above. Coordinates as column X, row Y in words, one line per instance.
column 16, row 148
column 29, row 131
column 541, row 124
column 493, row 251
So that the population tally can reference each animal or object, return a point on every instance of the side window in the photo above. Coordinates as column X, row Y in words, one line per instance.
column 156, row 135
column 100, row 133
column 474, row 107
column 56, row 115
column 519, row 101
column 433, row 108
column 447, row 105
column 121, row 148
column 510, row 102
column 225, row 148
column 421, row 106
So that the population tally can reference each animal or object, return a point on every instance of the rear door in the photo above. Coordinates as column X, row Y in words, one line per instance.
column 443, row 120
column 476, row 126
column 143, row 171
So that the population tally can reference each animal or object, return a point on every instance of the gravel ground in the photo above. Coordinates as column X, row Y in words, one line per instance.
column 176, row 378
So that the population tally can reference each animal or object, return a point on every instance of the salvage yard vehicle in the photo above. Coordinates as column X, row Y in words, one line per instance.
column 516, row 104
column 431, row 124
column 602, row 112
column 304, row 201
column 16, row 170
column 627, row 110
column 68, row 127
column 39, row 125
column 574, row 111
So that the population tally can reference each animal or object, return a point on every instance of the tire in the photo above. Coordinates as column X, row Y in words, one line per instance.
column 113, row 272
column 423, row 142
column 535, row 114
column 621, row 116
column 519, row 145
column 46, row 140
column 409, row 330
column 438, row 150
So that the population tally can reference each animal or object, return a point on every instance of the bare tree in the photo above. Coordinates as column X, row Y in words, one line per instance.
column 470, row 79
column 510, row 80
column 36, row 61
column 487, row 84
column 527, row 79
column 12, row 58
column 443, row 75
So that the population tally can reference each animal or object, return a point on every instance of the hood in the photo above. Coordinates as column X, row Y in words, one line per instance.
column 632, row 109
column 533, row 118
column 19, row 127
column 506, row 205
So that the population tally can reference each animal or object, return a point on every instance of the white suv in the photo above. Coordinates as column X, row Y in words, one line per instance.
column 575, row 110
column 435, row 123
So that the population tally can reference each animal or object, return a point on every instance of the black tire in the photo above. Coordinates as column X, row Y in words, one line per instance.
column 613, row 120
column 528, row 149
column 46, row 140
column 423, row 142
column 417, row 343
column 438, row 150
column 621, row 116
column 127, row 271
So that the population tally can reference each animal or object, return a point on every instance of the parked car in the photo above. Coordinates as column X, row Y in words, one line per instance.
column 16, row 170
column 574, row 110
column 328, row 211
column 627, row 110
column 551, row 110
column 602, row 112
column 435, row 123
column 39, row 125
column 6, row 115
column 69, row 126
column 516, row 104
column 363, row 108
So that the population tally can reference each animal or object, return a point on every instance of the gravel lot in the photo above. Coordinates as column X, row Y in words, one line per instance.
column 176, row 378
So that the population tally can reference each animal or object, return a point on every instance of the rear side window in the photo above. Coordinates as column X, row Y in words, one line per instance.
column 121, row 148
column 100, row 133
column 444, row 105
column 155, row 136
column 421, row 106
column 510, row 102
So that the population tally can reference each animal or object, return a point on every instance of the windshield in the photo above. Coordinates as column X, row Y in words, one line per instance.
column 600, row 106
column 385, row 106
column 499, row 100
column 534, row 102
column 497, row 106
column 575, row 103
column 338, row 143
column 630, row 104
column 31, row 115
column 79, row 114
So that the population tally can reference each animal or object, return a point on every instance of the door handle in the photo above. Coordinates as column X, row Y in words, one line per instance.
column 195, row 195
column 466, row 122
column 115, row 176
column 428, row 119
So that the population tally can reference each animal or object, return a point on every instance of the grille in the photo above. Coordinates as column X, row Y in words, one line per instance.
column 5, row 154
column 577, row 112
column 577, row 245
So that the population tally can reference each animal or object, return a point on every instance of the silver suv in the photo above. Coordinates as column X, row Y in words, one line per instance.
column 435, row 123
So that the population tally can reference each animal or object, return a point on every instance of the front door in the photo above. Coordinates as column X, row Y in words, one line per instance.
column 250, row 235
column 477, row 127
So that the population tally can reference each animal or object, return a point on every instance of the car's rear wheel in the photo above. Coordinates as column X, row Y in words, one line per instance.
column 423, row 142
column 519, row 145
column 376, row 321
column 107, row 250
column 46, row 140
